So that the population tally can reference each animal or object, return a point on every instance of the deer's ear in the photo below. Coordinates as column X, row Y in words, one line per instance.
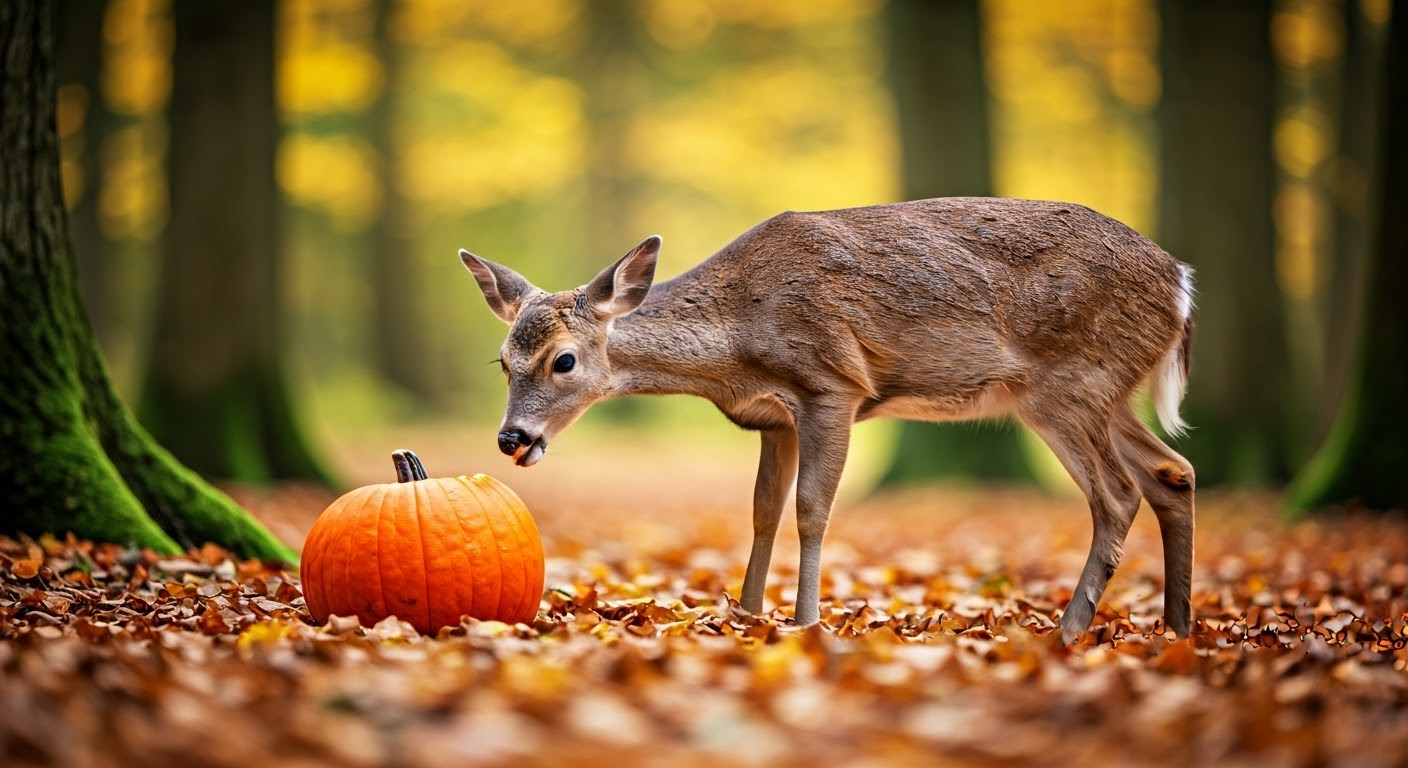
column 503, row 288
column 623, row 286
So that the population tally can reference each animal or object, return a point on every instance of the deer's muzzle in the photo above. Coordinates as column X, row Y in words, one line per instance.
column 525, row 450
column 510, row 440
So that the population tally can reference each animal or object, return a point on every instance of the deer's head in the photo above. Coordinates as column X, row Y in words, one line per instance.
column 555, row 354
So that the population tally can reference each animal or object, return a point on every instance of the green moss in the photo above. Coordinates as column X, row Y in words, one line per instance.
column 184, row 504
column 72, row 457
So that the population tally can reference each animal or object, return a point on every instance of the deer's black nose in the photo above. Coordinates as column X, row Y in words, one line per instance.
column 510, row 440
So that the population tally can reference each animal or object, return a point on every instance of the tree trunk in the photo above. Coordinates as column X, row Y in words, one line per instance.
column 936, row 73
column 79, row 64
column 399, row 350
column 1216, row 215
column 74, row 458
column 611, row 77
column 613, row 90
column 1363, row 460
column 215, row 391
column 1361, row 68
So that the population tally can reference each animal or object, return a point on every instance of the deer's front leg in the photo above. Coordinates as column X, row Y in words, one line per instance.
column 777, row 470
column 823, row 435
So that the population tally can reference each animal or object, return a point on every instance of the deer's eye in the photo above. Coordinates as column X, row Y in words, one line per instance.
column 564, row 362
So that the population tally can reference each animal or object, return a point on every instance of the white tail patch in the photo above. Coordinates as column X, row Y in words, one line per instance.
column 1168, row 384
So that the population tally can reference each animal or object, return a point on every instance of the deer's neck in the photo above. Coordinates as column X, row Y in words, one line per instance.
column 673, row 344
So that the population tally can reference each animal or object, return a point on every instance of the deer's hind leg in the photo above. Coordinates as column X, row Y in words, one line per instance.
column 1085, row 446
column 1166, row 480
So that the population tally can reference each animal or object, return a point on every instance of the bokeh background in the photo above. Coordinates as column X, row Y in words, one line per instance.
column 266, row 200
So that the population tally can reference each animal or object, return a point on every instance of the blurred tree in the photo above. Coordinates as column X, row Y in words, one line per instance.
column 1216, row 215
column 1363, row 460
column 74, row 457
column 611, row 76
column 79, row 69
column 1351, row 187
column 214, row 391
column 399, row 321
column 936, row 72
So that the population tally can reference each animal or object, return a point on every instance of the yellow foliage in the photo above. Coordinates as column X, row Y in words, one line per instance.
column 761, row 136
column 1073, row 89
column 780, row 14
column 133, row 202
column 1302, row 142
column 138, row 36
column 523, row 135
column 527, row 23
column 330, row 77
column 336, row 174
column 1301, row 214
column 683, row 24
column 679, row 24
column 1134, row 77
column 321, row 68
column 1307, row 33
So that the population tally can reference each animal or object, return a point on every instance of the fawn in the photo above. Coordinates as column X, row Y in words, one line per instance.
column 945, row 309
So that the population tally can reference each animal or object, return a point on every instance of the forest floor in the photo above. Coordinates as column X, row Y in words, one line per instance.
column 937, row 646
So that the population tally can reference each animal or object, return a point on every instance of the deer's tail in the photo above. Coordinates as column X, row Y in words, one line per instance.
column 1170, row 380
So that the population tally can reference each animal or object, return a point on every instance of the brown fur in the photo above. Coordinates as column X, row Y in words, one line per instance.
column 940, row 309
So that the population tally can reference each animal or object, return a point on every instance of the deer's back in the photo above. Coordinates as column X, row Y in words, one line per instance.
column 947, row 298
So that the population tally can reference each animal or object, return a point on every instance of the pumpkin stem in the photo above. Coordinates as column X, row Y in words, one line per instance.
column 408, row 466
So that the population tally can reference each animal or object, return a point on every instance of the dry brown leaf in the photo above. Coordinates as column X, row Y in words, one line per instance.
column 938, row 639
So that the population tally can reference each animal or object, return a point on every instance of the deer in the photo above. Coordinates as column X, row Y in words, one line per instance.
column 934, row 310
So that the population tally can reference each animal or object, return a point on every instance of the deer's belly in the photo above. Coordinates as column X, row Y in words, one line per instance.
column 759, row 413
column 993, row 401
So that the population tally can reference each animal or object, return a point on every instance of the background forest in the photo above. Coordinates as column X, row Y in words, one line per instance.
column 265, row 203
column 260, row 204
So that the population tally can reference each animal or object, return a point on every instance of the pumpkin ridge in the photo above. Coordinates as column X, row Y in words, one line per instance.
column 424, row 556
column 477, row 522
column 347, row 593
column 380, row 572
column 394, row 564
column 319, row 556
column 507, row 513
column 494, row 536
column 468, row 569
column 512, row 505
column 537, row 575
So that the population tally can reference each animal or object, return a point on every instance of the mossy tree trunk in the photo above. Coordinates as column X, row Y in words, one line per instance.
column 1365, row 458
column 215, row 390
column 74, row 459
column 936, row 73
column 1216, row 215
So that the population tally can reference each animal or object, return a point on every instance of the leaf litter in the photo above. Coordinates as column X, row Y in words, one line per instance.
column 935, row 647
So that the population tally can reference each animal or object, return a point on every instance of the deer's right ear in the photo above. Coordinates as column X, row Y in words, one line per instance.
column 503, row 288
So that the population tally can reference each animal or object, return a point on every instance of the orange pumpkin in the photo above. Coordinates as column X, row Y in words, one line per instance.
column 426, row 551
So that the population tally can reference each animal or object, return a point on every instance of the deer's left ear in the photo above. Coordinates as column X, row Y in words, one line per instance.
column 623, row 286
